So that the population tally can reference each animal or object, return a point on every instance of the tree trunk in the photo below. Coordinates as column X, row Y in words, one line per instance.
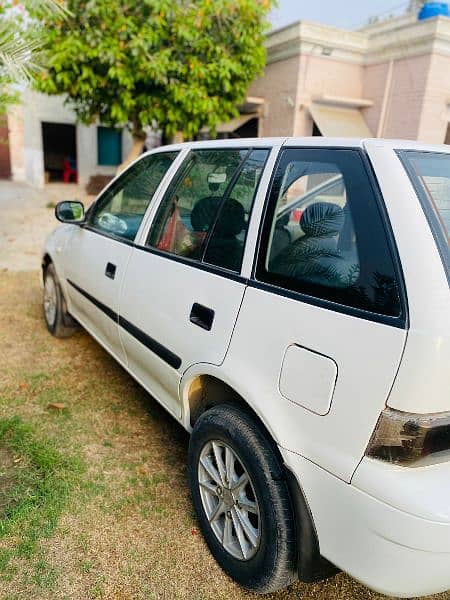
column 135, row 152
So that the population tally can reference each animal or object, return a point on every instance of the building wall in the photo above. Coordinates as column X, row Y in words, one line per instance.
column 278, row 86
column 26, row 139
column 355, row 65
column 289, row 85
column 405, row 98
column 435, row 113
column 16, row 143
column 374, row 82
column 321, row 75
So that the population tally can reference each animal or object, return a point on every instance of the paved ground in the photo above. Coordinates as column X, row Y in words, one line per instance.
column 26, row 218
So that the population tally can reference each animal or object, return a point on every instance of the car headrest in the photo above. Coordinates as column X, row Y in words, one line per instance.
column 282, row 221
column 232, row 217
column 204, row 212
column 322, row 219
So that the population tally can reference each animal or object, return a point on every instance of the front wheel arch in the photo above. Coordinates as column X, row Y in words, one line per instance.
column 46, row 261
column 63, row 325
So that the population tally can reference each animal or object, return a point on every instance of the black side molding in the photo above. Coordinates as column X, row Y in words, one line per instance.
column 105, row 309
column 164, row 353
column 161, row 351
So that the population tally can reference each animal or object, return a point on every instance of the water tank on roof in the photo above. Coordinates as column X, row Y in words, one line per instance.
column 434, row 9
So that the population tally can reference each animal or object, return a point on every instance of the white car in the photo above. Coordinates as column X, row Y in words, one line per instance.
column 287, row 301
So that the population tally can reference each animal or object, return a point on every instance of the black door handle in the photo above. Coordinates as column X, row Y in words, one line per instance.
column 110, row 270
column 202, row 316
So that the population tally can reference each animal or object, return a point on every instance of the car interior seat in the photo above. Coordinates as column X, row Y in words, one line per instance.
column 281, row 237
column 224, row 248
column 316, row 256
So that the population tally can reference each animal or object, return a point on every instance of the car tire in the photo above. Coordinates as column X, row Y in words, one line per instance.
column 250, row 531
column 58, row 321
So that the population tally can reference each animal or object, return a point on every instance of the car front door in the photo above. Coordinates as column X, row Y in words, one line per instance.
column 97, row 252
column 183, row 289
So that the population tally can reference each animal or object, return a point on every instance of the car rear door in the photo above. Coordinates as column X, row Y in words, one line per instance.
column 97, row 252
column 183, row 288
column 322, row 326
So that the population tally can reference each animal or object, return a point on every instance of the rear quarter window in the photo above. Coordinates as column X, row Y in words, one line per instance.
column 430, row 176
column 324, row 235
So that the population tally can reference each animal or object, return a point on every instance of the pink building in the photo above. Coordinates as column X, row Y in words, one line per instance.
column 389, row 79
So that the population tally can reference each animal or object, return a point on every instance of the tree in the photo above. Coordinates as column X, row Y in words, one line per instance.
column 20, row 44
column 179, row 65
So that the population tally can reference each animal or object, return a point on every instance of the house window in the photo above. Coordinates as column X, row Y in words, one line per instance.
column 109, row 146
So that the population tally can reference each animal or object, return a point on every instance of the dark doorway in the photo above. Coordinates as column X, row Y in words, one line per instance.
column 60, row 152
column 247, row 130
column 5, row 161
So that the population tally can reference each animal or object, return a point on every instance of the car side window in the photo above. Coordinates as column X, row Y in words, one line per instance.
column 324, row 236
column 120, row 210
column 204, row 215
column 227, row 239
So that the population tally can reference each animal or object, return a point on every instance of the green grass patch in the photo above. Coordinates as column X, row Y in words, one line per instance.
column 37, row 483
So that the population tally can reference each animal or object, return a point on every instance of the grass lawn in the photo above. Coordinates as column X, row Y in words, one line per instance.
column 94, row 500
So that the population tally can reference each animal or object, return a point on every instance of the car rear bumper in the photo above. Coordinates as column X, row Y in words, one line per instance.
column 392, row 550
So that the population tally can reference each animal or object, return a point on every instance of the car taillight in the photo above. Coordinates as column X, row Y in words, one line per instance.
column 405, row 438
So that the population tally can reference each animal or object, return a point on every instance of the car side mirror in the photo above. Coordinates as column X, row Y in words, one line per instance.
column 70, row 211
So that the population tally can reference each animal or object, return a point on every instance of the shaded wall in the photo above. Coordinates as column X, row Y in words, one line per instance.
column 406, row 97
column 435, row 107
column 321, row 75
column 278, row 86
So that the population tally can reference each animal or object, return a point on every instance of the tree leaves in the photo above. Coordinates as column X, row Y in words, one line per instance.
column 180, row 65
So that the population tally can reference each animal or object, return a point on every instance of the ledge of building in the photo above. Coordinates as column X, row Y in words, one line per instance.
column 342, row 102
column 304, row 37
column 396, row 38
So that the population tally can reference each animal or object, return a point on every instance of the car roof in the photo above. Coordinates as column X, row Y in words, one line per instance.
column 318, row 142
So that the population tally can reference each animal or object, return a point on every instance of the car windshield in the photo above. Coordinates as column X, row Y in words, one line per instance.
column 430, row 173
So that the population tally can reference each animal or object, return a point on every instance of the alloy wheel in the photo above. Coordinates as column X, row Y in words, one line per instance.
column 229, row 500
column 50, row 300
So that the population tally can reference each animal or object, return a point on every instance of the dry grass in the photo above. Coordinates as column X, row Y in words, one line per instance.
column 128, row 530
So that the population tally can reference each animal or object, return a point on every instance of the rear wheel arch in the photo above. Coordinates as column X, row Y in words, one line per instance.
column 205, row 391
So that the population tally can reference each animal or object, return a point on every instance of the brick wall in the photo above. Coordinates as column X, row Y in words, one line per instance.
column 435, row 112
column 278, row 87
column 406, row 97
column 320, row 75
column 289, row 85
column 374, row 81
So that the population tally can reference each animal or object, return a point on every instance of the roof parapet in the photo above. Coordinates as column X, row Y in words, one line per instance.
column 400, row 37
